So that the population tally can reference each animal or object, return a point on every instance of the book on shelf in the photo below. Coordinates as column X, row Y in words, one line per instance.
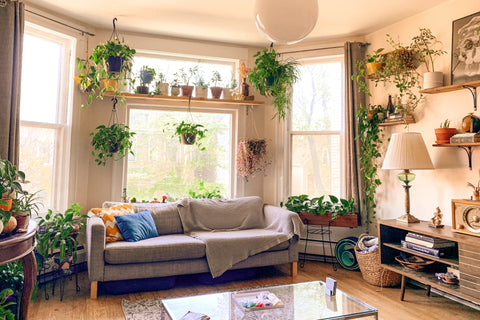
column 427, row 241
column 465, row 138
column 439, row 253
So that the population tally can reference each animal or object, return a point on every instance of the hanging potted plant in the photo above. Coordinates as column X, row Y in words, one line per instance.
column 271, row 77
column 215, row 89
column 252, row 157
column 190, row 133
column 110, row 141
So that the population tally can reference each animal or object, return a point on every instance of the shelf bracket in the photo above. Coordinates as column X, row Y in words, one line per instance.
column 468, row 150
column 473, row 91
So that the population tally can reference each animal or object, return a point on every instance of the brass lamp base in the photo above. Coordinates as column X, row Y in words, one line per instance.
column 407, row 218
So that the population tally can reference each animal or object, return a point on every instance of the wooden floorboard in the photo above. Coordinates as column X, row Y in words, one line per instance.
column 108, row 307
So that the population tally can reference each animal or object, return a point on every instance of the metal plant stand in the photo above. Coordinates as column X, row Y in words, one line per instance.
column 326, row 241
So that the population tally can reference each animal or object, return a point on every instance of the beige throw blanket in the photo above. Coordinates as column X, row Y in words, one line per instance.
column 234, row 229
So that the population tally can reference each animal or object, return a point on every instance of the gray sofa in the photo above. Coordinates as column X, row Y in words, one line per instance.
column 196, row 236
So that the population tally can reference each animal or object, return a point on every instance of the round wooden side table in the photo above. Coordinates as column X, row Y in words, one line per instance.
column 20, row 246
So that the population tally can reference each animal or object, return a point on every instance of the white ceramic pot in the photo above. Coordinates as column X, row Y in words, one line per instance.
column 432, row 80
column 227, row 93
column 201, row 92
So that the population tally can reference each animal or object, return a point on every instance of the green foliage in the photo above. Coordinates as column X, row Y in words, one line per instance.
column 321, row 205
column 377, row 56
column 10, row 183
column 204, row 193
column 370, row 137
column 275, row 78
column 146, row 75
column 198, row 130
column 11, row 276
column 6, row 314
column 27, row 202
column 108, row 141
column 95, row 68
column 58, row 232
column 200, row 80
column 445, row 124
column 424, row 44
column 216, row 78
column 186, row 76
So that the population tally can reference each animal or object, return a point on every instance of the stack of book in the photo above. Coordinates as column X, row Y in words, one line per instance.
column 469, row 137
column 432, row 246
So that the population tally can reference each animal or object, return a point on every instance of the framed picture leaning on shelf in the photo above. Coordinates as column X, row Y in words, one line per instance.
column 466, row 49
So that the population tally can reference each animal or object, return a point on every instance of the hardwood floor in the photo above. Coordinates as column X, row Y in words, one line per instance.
column 417, row 304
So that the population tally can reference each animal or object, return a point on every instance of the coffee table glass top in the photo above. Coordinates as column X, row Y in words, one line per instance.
column 302, row 301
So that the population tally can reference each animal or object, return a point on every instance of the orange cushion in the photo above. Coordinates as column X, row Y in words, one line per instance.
column 108, row 217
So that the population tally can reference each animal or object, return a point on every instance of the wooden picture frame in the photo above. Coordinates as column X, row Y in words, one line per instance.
column 465, row 66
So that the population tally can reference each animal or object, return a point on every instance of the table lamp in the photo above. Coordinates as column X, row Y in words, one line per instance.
column 407, row 151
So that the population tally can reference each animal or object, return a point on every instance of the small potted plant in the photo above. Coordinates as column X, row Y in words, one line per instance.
column 444, row 133
column 190, row 133
column 374, row 62
column 10, row 186
column 174, row 87
column 187, row 89
column 24, row 205
column 215, row 89
column 231, row 86
column 146, row 76
column 272, row 77
column 425, row 44
column 161, row 85
column 109, row 141
column 57, row 234
column 201, row 87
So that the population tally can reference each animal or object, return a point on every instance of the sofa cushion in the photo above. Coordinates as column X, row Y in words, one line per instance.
column 157, row 249
column 165, row 215
column 221, row 214
column 108, row 217
column 137, row 226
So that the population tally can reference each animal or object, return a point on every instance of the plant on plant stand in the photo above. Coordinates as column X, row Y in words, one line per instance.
column 10, row 186
column 190, row 133
column 24, row 205
column 424, row 44
column 275, row 78
column 444, row 132
column 215, row 89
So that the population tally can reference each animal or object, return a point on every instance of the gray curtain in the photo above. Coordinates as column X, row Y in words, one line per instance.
column 11, row 43
column 354, row 51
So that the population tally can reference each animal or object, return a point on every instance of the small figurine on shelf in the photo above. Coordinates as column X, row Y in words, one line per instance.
column 436, row 221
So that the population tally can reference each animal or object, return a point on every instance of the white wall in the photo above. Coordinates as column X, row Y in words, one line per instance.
column 448, row 181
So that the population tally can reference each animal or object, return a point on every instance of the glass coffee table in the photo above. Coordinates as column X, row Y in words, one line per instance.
column 301, row 301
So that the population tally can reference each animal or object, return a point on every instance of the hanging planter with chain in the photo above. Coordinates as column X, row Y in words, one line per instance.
column 112, row 141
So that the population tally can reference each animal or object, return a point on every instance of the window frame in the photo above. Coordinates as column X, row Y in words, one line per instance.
column 63, row 123
column 290, row 133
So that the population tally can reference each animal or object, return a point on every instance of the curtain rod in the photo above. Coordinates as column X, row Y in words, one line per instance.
column 308, row 50
column 83, row 32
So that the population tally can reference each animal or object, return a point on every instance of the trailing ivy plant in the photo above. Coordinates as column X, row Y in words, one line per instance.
column 370, row 136
column 321, row 205
column 275, row 78
column 108, row 141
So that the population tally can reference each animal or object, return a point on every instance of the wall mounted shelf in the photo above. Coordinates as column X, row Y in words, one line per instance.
column 470, row 86
column 407, row 120
column 161, row 98
column 465, row 146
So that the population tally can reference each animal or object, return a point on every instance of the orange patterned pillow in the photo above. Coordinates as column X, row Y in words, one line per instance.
column 108, row 217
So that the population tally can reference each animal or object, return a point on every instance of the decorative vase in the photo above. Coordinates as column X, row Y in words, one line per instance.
column 201, row 92
column 444, row 134
column 432, row 79
column 471, row 123
column 187, row 91
column 216, row 92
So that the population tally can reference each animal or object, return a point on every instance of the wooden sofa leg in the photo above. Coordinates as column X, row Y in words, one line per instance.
column 93, row 290
column 294, row 269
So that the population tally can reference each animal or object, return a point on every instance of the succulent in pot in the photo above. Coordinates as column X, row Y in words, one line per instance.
column 444, row 133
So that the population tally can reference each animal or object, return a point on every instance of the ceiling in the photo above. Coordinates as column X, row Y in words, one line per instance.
column 231, row 21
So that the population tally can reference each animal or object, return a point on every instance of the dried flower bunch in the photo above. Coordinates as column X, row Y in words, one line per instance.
column 252, row 157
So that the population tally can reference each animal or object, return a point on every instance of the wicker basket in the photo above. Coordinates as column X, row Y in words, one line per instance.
column 372, row 271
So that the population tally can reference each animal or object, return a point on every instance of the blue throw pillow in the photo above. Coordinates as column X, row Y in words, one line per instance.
column 137, row 226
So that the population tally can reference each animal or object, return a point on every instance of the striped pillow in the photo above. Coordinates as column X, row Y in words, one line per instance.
column 108, row 217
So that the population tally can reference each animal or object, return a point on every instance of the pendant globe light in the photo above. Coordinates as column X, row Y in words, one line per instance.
column 285, row 21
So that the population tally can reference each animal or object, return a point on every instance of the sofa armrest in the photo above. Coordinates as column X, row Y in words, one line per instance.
column 283, row 220
column 95, row 248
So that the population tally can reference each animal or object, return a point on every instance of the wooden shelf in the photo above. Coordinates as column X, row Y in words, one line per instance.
column 449, row 261
column 395, row 123
column 453, row 87
column 150, row 97
column 465, row 146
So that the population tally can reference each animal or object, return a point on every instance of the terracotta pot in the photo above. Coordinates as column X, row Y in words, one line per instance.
column 23, row 218
column 187, row 91
column 349, row 220
column 216, row 92
column 444, row 134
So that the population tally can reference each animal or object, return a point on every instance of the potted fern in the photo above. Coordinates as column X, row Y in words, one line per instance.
column 272, row 77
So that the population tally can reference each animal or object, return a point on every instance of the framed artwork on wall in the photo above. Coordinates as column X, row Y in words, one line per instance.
column 466, row 49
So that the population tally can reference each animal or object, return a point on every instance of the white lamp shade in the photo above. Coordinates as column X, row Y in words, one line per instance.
column 407, row 150
column 285, row 21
